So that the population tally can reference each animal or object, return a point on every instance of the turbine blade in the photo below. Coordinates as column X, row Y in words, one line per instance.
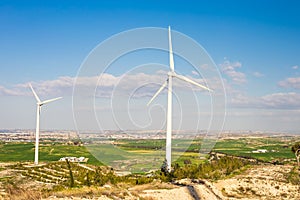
column 171, row 51
column 50, row 100
column 191, row 81
column 35, row 95
column 158, row 91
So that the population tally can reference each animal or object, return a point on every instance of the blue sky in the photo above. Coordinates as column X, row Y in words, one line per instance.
column 255, row 45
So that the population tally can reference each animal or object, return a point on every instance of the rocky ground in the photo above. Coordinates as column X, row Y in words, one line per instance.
column 258, row 182
column 188, row 190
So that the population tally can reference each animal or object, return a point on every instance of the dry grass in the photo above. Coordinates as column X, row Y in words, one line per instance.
column 81, row 192
column 113, row 192
column 15, row 193
column 147, row 198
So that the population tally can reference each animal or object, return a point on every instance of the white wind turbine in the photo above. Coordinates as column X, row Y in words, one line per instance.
column 168, row 82
column 37, row 130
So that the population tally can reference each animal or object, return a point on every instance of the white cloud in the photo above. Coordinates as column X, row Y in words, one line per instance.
column 145, row 85
column 195, row 73
column 61, row 86
column 139, row 84
column 8, row 92
column 295, row 67
column 230, row 69
column 292, row 82
column 240, row 99
column 285, row 101
column 258, row 74
column 290, row 100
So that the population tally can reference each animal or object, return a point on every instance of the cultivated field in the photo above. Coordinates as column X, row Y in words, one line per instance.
column 23, row 152
column 145, row 155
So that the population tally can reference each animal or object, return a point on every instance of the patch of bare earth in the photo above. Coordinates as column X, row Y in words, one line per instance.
column 260, row 182
column 188, row 190
column 165, row 194
column 154, row 191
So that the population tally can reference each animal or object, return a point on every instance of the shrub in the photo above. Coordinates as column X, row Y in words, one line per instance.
column 71, row 173
column 294, row 176
column 214, row 170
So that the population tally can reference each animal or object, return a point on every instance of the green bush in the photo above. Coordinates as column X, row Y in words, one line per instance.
column 294, row 176
column 214, row 170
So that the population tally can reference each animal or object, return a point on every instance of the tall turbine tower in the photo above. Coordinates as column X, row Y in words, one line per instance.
column 168, row 82
column 37, row 130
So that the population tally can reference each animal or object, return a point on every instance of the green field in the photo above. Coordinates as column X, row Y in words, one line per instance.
column 17, row 152
column 144, row 155
column 278, row 149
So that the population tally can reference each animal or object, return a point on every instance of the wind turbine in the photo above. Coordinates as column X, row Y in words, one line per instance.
column 37, row 130
column 169, row 83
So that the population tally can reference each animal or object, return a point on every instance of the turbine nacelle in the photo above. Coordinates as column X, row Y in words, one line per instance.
column 171, row 73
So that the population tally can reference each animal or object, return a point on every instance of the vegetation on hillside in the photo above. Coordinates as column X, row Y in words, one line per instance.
column 296, row 151
column 88, row 179
column 294, row 176
column 214, row 170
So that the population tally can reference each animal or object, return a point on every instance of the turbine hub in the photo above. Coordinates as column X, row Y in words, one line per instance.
column 170, row 73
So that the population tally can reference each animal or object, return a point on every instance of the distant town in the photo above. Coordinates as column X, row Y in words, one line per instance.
column 28, row 135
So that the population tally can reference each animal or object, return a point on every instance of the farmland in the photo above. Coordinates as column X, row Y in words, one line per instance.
column 147, row 154
column 277, row 148
column 22, row 152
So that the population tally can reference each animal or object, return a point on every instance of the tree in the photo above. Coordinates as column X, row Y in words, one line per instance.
column 87, row 180
column 164, row 167
column 71, row 173
column 296, row 151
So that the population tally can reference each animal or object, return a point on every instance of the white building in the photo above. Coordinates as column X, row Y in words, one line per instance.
column 260, row 151
column 73, row 159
